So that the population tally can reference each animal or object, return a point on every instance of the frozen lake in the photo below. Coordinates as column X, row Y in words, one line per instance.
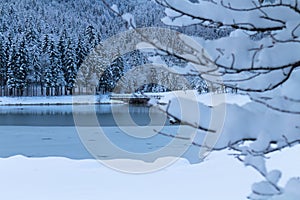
column 47, row 131
column 61, row 115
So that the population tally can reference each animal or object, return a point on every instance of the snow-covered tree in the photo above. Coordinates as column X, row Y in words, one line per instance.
column 81, row 52
column 90, row 38
column 3, row 64
column 57, row 71
column 111, row 76
column 54, row 76
column 70, row 67
column 17, row 70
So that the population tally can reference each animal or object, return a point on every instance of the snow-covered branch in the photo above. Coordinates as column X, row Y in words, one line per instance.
column 247, row 15
column 259, row 59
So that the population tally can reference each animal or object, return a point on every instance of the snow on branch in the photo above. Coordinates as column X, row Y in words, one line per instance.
column 258, row 66
column 245, row 15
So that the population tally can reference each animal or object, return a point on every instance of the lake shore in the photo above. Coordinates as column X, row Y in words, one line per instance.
column 206, row 99
column 57, row 100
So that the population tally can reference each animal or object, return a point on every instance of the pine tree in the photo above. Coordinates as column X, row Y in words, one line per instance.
column 81, row 52
column 11, row 79
column 45, row 44
column 90, row 34
column 23, row 67
column 71, row 67
column 48, row 80
column 112, row 75
column 30, row 34
column 17, row 70
column 61, row 50
column 36, row 73
column 3, row 65
column 61, row 47
column 56, row 80
column 90, row 37
column 33, row 54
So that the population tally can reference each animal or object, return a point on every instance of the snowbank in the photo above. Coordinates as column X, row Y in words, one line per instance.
column 208, row 99
column 65, row 179
column 221, row 177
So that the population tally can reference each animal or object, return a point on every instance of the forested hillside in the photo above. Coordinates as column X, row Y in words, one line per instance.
column 43, row 43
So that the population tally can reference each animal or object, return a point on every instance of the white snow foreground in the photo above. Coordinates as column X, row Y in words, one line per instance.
column 220, row 177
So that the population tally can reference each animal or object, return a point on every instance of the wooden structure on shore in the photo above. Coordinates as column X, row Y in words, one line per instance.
column 134, row 98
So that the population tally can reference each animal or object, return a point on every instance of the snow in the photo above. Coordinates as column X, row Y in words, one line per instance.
column 129, row 18
column 264, row 188
column 287, row 162
column 208, row 99
column 203, row 9
column 291, row 191
column 291, row 85
column 104, row 99
column 115, row 8
column 57, row 100
column 257, row 162
column 171, row 13
column 274, row 176
column 62, row 178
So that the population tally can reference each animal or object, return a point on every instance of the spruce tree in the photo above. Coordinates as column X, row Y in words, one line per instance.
column 71, row 67
column 111, row 75
column 17, row 70
column 57, row 76
column 3, row 64
column 23, row 67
